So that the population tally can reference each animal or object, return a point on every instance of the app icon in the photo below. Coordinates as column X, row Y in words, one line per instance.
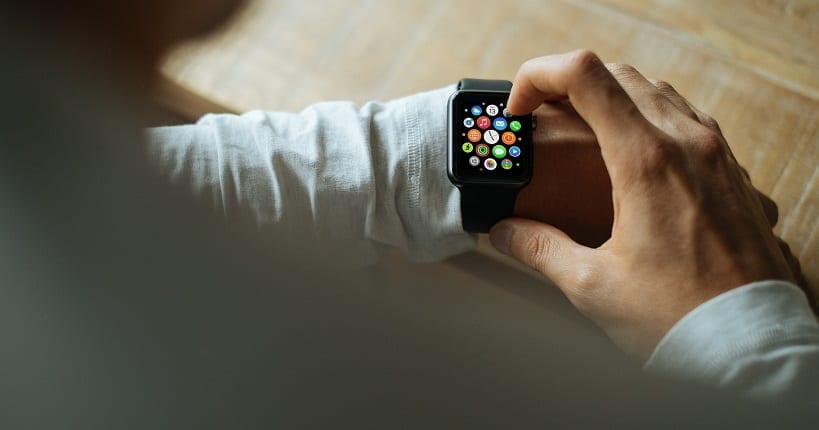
column 506, row 113
column 508, row 138
column 499, row 151
column 482, row 150
column 467, row 147
column 514, row 151
column 469, row 122
column 491, row 137
column 514, row 126
column 492, row 110
column 484, row 122
column 476, row 110
column 474, row 161
column 506, row 164
column 499, row 123
column 473, row 135
column 490, row 164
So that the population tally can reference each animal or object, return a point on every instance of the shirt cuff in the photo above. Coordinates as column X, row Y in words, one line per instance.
column 713, row 342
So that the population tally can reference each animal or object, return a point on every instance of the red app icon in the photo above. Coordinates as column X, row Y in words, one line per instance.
column 484, row 122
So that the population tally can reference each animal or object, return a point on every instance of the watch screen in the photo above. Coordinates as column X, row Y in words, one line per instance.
column 487, row 143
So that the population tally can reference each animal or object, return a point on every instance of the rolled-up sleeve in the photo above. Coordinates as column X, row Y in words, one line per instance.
column 760, row 340
column 357, row 180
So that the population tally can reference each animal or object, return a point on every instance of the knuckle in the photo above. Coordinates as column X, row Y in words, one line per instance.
column 529, row 65
column 622, row 70
column 539, row 249
column 584, row 61
column 709, row 146
column 659, row 102
column 664, row 86
column 709, row 122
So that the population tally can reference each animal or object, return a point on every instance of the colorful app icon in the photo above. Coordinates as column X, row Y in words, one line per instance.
column 499, row 151
column 476, row 110
column 474, row 161
column 484, row 122
column 499, row 123
column 514, row 151
column 467, row 147
column 482, row 150
column 491, row 137
column 469, row 122
column 508, row 138
column 490, row 164
column 506, row 164
column 514, row 126
column 492, row 110
column 473, row 135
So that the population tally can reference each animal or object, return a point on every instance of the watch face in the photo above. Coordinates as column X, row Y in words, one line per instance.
column 486, row 144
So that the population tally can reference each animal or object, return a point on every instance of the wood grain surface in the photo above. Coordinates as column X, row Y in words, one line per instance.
column 753, row 65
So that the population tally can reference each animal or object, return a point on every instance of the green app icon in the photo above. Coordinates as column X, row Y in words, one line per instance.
column 514, row 126
column 499, row 151
column 467, row 147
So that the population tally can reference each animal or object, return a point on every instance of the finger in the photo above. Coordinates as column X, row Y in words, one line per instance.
column 543, row 248
column 654, row 105
column 796, row 270
column 561, row 124
column 705, row 119
column 770, row 208
column 793, row 262
column 582, row 78
column 675, row 98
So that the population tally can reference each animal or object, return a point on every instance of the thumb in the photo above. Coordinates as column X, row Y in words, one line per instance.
column 542, row 247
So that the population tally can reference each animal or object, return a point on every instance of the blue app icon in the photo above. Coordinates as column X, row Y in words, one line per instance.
column 499, row 123
column 514, row 151
column 476, row 110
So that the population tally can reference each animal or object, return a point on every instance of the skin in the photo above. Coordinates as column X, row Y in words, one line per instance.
column 687, row 223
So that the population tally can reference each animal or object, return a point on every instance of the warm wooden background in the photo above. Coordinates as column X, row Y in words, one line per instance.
column 752, row 64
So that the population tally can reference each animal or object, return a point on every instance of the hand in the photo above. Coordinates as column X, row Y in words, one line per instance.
column 688, row 225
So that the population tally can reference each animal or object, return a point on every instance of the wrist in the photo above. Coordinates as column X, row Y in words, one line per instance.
column 570, row 186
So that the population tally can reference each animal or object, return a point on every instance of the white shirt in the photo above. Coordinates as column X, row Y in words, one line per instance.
column 362, row 181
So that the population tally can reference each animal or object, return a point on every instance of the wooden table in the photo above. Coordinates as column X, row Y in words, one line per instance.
column 753, row 65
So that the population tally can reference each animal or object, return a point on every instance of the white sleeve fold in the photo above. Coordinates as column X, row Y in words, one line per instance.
column 356, row 180
column 760, row 340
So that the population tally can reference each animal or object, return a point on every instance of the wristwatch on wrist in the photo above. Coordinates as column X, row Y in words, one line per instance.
column 489, row 154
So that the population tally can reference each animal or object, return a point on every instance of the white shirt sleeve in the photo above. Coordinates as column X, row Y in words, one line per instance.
column 760, row 340
column 359, row 181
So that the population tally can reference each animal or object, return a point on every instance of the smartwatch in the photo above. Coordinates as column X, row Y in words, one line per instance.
column 489, row 153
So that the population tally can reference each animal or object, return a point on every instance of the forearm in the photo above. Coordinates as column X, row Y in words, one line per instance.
column 359, row 181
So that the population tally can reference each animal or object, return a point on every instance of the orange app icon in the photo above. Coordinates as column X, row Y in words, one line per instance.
column 473, row 135
column 508, row 138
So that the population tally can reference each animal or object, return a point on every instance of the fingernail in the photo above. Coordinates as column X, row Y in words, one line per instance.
column 500, row 235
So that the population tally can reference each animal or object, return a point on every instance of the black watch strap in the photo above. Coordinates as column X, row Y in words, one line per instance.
column 484, row 84
column 482, row 206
